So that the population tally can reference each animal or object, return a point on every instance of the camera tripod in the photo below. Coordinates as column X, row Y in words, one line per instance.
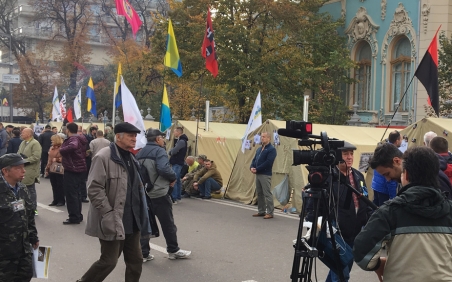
column 309, row 250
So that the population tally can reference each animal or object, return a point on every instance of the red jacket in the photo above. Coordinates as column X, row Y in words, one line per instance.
column 73, row 151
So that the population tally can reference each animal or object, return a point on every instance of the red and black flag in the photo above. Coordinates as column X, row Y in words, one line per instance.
column 208, row 48
column 427, row 73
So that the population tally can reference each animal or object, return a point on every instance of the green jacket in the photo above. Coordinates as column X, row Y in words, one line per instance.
column 17, row 229
column 205, row 173
column 32, row 149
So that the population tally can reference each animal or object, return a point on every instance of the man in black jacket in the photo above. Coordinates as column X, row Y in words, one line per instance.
column 177, row 160
column 44, row 140
column 352, row 213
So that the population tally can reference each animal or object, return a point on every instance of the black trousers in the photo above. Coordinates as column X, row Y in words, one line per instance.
column 73, row 183
column 44, row 160
column 163, row 210
column 57, row 182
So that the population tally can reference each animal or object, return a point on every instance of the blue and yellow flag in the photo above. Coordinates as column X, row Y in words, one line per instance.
column 165, row 112
column 172, row 59
column 91, row 105
column 118, row 98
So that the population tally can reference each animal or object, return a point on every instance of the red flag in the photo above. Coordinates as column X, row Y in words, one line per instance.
column 69, row 115
column 123, row 8
column 427, row 73
column 208, row 48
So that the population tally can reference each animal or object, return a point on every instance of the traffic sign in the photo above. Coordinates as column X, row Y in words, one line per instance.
column 11, row 78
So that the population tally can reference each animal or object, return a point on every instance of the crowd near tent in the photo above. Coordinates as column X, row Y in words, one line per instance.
column 220, row 143
column 242, row 187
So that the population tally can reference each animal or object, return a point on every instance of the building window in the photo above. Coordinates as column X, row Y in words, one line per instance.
column 363, row 76
column 400, row 74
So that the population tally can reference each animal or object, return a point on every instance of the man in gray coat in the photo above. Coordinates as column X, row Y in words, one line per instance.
column 118, row 212
column 154, row 158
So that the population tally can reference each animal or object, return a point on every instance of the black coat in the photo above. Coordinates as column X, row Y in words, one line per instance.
column 44, row 140
column 349, row 222
column 13, row 145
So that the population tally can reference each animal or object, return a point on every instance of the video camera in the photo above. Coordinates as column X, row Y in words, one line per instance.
column 327, row 156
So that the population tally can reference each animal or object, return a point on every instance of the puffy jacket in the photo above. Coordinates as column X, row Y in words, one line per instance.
column 205, row 173
column 155, row 159
column 417, row 227
column 179, row 151
column 107, row 190
column 263, row 160
column 73, row 151
column 17, row 229
column 32, row 149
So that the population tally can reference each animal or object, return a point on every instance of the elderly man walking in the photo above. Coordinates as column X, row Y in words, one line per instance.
column 262, row 166
column 31, row 150
column 118, row 212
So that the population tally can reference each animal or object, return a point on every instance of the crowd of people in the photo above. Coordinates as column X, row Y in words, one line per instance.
column 128, row 190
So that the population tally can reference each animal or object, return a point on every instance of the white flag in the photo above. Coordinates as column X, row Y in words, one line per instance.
column 63, row 107
column 56, row 106
column 78, row 104
column 255, row 120
column 132, row 114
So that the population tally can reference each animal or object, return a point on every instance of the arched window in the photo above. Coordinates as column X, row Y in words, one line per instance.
column 400, row 74
column 363, row 76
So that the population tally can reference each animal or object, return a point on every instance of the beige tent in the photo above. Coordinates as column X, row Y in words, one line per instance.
column 220, row 143
column 415, row 132
column 100, row 125
column 242, row 186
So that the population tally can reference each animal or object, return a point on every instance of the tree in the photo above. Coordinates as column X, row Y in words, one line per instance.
column 444, row 75
column 70, row 22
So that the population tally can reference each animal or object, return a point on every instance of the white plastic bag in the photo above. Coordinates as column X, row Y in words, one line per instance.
column 281, row 191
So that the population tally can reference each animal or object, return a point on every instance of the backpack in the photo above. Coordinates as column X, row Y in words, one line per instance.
column 145, row 178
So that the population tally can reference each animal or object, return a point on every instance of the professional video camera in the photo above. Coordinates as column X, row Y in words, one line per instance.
column 320, row 166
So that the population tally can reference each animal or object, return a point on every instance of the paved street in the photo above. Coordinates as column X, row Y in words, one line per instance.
column 227, row 244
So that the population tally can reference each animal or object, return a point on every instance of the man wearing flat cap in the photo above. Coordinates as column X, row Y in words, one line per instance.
column 118, row 212
column 154, row 158
column 17, row 222
column 352, row 213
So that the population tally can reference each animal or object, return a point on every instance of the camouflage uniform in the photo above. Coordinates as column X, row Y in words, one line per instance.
column 187, row 185
column 17, row 232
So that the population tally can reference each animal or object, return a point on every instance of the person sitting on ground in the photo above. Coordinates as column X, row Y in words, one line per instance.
column 187, row 180
column 208, row 179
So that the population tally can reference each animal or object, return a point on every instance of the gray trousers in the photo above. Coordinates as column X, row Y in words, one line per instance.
column 264, row 194
column 33, row 197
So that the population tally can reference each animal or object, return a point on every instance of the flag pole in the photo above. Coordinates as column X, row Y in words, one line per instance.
column 113, row 116
column 197, row 120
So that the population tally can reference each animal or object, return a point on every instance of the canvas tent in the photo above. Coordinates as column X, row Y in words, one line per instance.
column 242, row 187
column 415, row 132
column 220, row 143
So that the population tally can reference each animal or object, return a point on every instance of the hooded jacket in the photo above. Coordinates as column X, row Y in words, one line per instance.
column 73, row 151
column 205, row 173
column 417, row 227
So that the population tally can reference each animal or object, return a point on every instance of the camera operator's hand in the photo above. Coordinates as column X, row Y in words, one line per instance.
column 381, row 269
column 253, row 170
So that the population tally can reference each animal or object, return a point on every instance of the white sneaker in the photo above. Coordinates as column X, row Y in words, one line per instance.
column 181, row 254
column 148, row 258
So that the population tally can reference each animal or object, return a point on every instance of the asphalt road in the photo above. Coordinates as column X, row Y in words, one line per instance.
column 227, row 244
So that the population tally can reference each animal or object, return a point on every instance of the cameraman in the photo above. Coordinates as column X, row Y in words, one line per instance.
column 347, row 211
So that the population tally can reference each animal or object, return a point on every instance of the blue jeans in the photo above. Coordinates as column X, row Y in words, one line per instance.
column 176, row 195
column 207, row 186
column 333, row 277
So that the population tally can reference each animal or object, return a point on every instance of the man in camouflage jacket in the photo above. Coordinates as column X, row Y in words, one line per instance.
column 17, row 222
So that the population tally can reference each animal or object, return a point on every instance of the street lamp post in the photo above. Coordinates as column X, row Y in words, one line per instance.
column 105, row 118
column 10, row 84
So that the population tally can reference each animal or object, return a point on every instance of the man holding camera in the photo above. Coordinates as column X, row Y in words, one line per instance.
column 416, row 224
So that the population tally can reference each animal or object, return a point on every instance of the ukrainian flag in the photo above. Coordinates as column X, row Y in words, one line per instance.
column 91, row 105
column 172, row 59
column 165, row 113
column 118, row 99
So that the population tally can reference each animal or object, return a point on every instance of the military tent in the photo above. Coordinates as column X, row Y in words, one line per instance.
column 414, row 134
column 220, row 143
column 242, row 187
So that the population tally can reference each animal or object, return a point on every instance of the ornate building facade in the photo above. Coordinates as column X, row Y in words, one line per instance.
column 387, row 40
